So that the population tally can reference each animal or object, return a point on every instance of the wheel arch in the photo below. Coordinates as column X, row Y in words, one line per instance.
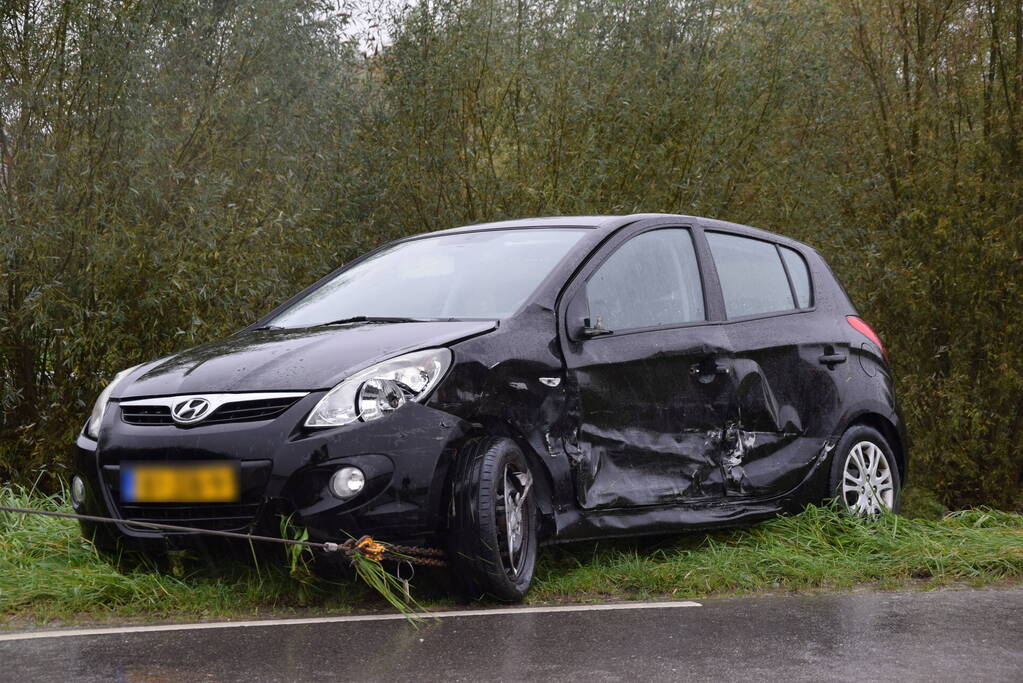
column 543, row 480
column 891, row 434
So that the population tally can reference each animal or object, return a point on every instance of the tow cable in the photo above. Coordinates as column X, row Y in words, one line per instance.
column 366, row 546
column 364, row 554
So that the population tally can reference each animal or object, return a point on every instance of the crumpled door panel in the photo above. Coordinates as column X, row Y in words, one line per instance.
column 650, row 407
column 787, row 404
column 638, row 466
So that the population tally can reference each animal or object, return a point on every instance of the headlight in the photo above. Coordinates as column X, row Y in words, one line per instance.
column 100, row 407
column 381, row 388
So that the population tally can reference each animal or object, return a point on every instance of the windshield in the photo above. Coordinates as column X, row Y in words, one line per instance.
column 485, row 274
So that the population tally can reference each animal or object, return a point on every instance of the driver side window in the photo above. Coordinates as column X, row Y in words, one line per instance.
column 651, row 280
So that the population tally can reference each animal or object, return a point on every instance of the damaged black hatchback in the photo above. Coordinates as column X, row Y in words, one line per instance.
column 486, row 388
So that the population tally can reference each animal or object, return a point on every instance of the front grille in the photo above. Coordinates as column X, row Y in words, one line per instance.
column 142, row 413
column 218, row 517
column 146, row 415
column 246, row 411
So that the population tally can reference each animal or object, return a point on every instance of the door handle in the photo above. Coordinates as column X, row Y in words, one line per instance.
column 832, row 359
column 708, row 369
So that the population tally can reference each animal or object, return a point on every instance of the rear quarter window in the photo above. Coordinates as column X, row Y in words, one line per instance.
column 799, row 273
column 753, row 278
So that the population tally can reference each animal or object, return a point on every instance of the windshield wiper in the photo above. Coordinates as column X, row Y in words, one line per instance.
column 374, row 319
column 362, row 319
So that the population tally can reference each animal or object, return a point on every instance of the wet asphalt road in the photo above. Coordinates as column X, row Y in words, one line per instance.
column 934, row 636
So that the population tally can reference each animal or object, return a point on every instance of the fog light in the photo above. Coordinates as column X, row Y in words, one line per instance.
column 347, row 482
column 77, row 491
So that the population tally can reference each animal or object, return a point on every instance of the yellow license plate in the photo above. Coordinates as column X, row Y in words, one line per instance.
column 179, row 482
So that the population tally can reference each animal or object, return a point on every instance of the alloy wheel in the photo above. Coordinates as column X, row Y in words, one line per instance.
column 867, row 484
column 512, row 495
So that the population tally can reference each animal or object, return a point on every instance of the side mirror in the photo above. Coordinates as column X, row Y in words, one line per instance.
column 578, row 322
column 596, row 329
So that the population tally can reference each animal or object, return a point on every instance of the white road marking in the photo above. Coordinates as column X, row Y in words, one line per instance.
column 74, row 633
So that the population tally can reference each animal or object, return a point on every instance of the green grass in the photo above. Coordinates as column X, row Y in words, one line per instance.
column 818, row 549
column 47, row 573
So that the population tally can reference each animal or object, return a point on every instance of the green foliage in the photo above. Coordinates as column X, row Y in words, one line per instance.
column 918, row 503
column 821, row 548
column 48, row 572
column 168, row 171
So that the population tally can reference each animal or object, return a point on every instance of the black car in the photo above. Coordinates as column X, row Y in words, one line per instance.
column 485, row 388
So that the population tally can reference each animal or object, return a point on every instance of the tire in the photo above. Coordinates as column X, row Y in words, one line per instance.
column 860, row 449
column 479, row 533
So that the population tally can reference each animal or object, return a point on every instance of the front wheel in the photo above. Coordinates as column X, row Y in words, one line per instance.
column 493, row 521
column 864, row 474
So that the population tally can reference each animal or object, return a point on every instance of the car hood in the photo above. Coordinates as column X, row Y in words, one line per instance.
column 303, row 359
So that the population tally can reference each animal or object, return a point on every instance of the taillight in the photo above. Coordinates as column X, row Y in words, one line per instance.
column 861, row 326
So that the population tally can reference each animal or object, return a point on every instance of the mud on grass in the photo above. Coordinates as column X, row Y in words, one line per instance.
column 48, row 574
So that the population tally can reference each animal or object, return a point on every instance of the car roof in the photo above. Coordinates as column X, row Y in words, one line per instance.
column 539, row 222
column 609, row 223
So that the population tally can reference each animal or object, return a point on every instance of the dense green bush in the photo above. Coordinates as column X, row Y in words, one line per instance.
column 170, row 170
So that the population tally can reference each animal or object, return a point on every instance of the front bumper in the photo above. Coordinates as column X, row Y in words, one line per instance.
column 284, row 472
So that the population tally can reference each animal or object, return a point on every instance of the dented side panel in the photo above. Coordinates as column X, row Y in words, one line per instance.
column 649, row 419
column 512, row 383
column 787, row 400
column 644, row 433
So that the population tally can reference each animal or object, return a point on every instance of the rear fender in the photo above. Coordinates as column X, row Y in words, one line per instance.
column 883, row 419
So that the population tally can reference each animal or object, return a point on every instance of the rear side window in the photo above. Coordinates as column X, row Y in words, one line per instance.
column 752, row 276
column 799, row 274
column 651, row 280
